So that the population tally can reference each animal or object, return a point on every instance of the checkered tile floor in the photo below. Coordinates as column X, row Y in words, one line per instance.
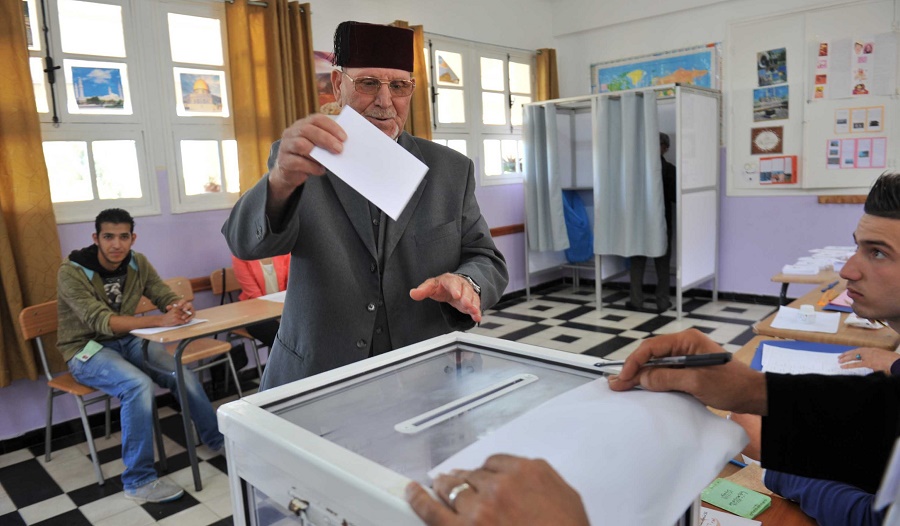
column 64, row 492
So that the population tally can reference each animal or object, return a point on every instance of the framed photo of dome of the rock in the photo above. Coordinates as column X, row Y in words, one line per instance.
column 694, row 66
column 200, row 92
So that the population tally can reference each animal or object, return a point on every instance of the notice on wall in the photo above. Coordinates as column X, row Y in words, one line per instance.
column 778, row 170
column 859, row 120
column 766, row 140
column 853, row 67
column 856, row 153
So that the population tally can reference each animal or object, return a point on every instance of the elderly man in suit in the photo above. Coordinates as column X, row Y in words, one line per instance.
column 361, row 283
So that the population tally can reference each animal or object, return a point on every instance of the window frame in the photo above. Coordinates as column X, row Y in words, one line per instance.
column 149, row 61
column 474, row 131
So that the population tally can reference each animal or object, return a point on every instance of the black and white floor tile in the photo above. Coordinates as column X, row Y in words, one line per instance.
column 63, row 492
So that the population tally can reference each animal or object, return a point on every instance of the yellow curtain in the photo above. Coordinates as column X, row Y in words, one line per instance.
column 547, row 76
column 419, row 121
column 29, row 242
column 272, row 76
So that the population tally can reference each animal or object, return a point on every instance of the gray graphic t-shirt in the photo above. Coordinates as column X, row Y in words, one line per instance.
column 114, row 286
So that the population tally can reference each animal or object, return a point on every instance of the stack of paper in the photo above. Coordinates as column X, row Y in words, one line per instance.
column 800, row 270
column 789, row 318
column 792, row 361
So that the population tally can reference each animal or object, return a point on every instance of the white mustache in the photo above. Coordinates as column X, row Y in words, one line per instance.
column 381, row 114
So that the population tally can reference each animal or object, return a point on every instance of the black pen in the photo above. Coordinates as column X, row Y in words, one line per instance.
column 829, row 287
column 692, row 360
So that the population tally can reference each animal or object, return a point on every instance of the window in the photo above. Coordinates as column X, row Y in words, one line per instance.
column 138, row 90
column 478, row 93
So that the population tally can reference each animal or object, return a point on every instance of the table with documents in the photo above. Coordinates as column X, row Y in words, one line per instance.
column 221, row 318
column 884, row 338
column 823, row 277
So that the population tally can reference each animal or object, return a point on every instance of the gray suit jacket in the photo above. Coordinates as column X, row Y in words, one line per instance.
column 334, row 266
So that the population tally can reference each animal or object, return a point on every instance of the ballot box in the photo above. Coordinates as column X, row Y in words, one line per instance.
column 339, row 448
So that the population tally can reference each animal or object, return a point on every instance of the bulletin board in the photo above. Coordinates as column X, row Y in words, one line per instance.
column 790, row 102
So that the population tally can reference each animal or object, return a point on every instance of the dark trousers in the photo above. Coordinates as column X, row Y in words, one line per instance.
column 662, row 264
column 264, row 331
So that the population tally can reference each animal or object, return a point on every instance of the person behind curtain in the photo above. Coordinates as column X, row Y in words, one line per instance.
column 662, row 263
column 258, row 278
column 99, row 288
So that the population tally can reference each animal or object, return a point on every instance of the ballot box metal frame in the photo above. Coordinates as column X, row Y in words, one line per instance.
column 281, row 473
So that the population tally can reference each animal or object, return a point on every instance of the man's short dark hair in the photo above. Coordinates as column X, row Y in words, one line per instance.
column 663, row 139
column 884, row 197
column 116, row 216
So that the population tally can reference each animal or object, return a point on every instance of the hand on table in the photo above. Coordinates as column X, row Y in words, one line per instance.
column 871, row 357
column 178, row 313
column 452, row 289
column 507, row 490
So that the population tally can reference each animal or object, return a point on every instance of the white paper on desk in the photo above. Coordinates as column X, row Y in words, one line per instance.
column 277, row 297
column 373, row 164
column 789, row 318
column 635, row 457
column 792, row 361
column 156, row 330
column 709, row 517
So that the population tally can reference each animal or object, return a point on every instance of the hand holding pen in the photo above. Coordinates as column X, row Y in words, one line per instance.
column 182, row 311
column 731, row 386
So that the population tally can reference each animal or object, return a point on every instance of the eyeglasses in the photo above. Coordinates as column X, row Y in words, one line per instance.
column 371, row 85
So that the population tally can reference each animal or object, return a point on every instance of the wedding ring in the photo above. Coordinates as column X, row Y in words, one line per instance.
column 451, row 497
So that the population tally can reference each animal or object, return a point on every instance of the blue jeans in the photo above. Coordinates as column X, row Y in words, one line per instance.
column 117, row 370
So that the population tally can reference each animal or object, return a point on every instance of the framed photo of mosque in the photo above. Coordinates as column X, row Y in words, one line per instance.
column 200, row 93
column 97, row 87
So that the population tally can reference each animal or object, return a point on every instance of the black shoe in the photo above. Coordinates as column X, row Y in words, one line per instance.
column 662, row 307
column 632, row 306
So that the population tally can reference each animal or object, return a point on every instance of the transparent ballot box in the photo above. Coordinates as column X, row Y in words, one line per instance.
column 339, row 448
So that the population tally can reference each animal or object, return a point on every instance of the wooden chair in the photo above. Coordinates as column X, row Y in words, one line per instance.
column 225, row 284
column 200, row 349
column 39, row 320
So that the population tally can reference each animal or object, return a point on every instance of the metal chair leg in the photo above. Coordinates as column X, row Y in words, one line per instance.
column 90, row 440
column 237, row 381
column 108, row 418
column 47, row 434
column 157, row 432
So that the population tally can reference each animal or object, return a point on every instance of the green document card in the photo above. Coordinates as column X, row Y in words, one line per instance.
column 89, row 350
column 735, row 498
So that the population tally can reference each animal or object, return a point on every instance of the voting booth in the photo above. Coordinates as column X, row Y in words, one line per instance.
column 339, row 448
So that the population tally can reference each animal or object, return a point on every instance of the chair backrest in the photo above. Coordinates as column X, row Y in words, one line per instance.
column 35, row 322
column 180, row 286
column 224, row 282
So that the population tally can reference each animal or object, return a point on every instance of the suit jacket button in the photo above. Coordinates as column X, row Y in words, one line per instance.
column 370, row 307
column 360, row 343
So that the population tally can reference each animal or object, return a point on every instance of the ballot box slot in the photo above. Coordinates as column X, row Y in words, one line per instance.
column 466, row 403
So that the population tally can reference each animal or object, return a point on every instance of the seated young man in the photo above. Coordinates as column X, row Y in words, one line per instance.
column 99, row 288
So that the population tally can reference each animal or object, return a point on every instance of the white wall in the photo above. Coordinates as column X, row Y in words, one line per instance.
column 662, row 26
column 512, row 23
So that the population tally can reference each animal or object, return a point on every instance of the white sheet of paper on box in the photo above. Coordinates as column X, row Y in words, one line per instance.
column 373, row 164
column 621, row 451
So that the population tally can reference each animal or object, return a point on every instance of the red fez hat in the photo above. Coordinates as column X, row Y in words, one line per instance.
column 360, row 45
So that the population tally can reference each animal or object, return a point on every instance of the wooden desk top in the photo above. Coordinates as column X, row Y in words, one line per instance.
column 824, row 276
column 221, row 318
column 884, row 338
column 782, row 512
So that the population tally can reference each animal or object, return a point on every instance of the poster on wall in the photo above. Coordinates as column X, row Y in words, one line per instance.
column 853, row 67
column 856, row 153
column 778, row 170
column 766, row 140
column 326, row 102
column 770, row 104
column 695, row 66
column 771, row 67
